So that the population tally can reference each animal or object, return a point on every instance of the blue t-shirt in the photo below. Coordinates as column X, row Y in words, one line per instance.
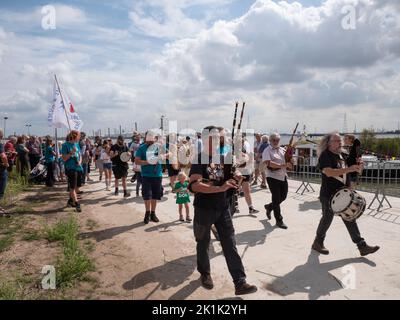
column 262, row 147
column 72, row 162
column 152, row 171
column 48, row 154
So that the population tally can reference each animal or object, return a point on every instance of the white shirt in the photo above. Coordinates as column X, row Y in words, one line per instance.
column 275, row 155
column 105, row 156
column 249, row 168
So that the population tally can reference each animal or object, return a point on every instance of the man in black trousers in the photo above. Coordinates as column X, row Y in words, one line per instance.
column 210, row 181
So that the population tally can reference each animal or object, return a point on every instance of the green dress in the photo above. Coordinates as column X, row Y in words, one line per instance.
column 183, row 196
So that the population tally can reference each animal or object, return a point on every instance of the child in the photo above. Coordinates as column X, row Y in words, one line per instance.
column 182, row 196
column 106, row 162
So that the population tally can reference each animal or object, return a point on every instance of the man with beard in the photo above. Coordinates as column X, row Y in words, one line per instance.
column 210, row 182
column 334, row 171
column 120, row 168
column 148, row 156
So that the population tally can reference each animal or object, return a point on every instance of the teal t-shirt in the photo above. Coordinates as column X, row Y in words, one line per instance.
column 48, row 154
column 72, row 162
column 152, row 170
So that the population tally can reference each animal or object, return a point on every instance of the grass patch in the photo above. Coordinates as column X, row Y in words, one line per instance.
column 62, row 230
column 6, row 242
column 8, row 291
column 8, row 228
column 32, row 235
column 74, row 263
column 15, row 186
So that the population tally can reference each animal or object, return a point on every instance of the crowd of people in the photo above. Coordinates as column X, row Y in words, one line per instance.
column 205, row 166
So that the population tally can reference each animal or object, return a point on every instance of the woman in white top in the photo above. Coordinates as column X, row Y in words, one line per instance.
column 274, row 159
column 107, row 163
column 247, row 172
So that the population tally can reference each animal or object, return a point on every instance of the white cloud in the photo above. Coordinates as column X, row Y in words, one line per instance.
column 168, row 19
column 300, row 54
column 288, row 62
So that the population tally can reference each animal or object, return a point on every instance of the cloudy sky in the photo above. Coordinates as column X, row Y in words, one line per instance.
column 190, row 60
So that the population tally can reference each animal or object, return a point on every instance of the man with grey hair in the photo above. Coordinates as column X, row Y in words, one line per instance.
column 334, row 170
column 274, row 159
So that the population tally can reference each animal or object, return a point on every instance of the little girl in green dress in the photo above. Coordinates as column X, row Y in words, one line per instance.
column 182, row 196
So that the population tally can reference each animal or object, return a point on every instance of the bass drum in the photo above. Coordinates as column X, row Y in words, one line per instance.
column 125, row 157
column 348, row 204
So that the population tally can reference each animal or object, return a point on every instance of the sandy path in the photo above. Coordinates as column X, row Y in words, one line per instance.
column 158, row 261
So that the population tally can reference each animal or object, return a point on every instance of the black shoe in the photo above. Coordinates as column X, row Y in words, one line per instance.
column 252, row 210
column 78, row 208
column 126, row 194
column 146, row 218
column 319, row 247
column 153, row 217
column 281, row 224
column 116, row 192
column 269, row 210
column 207, row 281
column 70, row 203
column 366, row 249
column 245, row 288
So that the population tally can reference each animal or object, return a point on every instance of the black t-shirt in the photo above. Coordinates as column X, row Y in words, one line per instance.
column 117, row 159
column 217, row 174
column 330, row 185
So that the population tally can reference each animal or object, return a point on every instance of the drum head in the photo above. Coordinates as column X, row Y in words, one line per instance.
column 125, row 157
column 341, row 200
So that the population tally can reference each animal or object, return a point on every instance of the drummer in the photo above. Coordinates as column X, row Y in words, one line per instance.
column 334, row 170
column 119, row 167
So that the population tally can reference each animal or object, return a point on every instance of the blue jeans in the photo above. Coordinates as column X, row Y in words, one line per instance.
column 83, row 178
column 3, row 183
column 203, row 219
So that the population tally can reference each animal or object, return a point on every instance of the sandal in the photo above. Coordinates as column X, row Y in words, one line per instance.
column 181, row 219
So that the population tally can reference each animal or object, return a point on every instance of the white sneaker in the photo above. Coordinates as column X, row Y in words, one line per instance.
column 108, row 188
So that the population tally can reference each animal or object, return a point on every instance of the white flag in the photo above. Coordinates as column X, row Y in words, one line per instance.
column 62, row 112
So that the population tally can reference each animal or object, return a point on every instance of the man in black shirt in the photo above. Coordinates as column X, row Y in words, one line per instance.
column 210, row 181
column 120, row 168
column 334, row 173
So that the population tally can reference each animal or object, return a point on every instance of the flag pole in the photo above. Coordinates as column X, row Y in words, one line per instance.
column 62, row 100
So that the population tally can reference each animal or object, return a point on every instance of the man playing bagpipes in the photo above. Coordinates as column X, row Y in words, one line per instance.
column 211, row 178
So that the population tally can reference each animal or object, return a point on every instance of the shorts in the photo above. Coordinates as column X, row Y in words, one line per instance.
column 152, row 188
column 120, row 172
column 171, row 171
column 74, row 179
column 107, row 166
column 99, row 164
column 246, row 178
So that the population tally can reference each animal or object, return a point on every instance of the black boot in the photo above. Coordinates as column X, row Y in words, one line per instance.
column 366, row 249
column 147, row 217
column 319, row 247
column 153, row 217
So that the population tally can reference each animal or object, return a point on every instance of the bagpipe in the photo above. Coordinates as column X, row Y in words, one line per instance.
column 235, row 165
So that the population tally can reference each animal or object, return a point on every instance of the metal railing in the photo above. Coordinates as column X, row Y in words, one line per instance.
column 382, row 178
